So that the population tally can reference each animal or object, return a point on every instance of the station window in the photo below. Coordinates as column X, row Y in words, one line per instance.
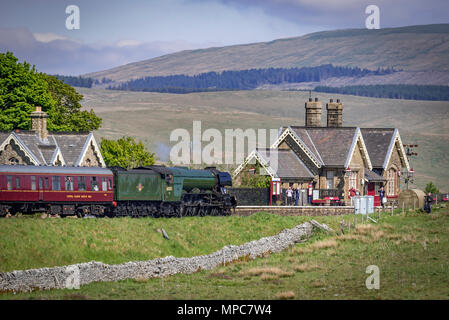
column 9, row 182
column 68, row 183
column 56, row 183
column 94, row 184
column 33, row 182
column 81, row 183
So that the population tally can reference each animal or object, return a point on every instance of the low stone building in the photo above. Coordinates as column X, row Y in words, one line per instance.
column 38, row 146
column 337, row 160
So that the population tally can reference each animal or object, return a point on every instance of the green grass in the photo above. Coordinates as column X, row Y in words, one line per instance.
column 32, row 242
column 411, row 250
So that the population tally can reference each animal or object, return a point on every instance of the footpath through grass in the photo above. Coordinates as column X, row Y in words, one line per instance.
column 411, row 251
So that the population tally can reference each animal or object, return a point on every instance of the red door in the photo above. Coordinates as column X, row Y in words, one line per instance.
column 372, row 192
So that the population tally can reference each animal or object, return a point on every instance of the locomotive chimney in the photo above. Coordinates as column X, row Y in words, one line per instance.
column 313, row 113
column 334, row 113
column 39, row 122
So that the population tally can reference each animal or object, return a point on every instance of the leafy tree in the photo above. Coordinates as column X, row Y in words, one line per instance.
column 255, row 180
column 430, row 187
column 126, row 153
column 66, row 115
column 22, row 88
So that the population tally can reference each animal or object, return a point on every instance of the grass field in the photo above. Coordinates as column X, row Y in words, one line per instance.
column 151, row 117
column 411, row 250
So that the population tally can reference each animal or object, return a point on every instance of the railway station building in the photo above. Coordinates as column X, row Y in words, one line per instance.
column 338, row 161
column 38, row 146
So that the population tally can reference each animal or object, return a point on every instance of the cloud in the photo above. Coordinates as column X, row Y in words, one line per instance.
column 55, row 54
column 342, row 14
column 48, row 37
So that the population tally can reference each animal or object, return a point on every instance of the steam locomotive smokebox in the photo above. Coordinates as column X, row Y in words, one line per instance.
column 411, row 199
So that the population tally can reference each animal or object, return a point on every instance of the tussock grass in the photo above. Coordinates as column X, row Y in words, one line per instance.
column 268, row 271
column 306, row 267
column 324, row 244
column 286, row 295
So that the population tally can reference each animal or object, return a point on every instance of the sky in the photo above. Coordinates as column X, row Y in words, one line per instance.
column 114, row 32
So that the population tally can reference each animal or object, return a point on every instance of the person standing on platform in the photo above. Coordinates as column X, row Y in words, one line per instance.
column 382, row 196
column 296, row 196
column 289, row 196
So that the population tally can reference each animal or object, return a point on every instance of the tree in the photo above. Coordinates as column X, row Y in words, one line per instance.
column 255, row 180
column 22, row 88
column 430, row 187
column 66, row 114
column 126, row 153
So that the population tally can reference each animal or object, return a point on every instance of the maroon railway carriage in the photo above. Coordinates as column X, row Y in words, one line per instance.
column 58, row 190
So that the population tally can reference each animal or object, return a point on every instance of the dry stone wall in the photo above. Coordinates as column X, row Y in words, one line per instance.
column 84, row 273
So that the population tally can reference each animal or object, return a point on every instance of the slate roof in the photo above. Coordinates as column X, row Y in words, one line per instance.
column 288, row 164
column 371, row 176
column 71, row 145
column 331, row 145
column 377, row 141
column 4, row 135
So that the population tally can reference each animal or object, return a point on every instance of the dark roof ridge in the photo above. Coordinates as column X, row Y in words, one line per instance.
column 378, row 128
column 79, row 133
column 304, row 127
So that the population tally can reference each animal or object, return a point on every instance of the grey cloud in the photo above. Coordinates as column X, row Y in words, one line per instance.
column 68, row 57
column 334, row 14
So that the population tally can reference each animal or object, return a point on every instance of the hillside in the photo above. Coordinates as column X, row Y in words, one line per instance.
column 413, row 48
column 151, row 117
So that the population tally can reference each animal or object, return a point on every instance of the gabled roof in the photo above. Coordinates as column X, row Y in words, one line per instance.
column 282, row 164
column 332, row 144
column 377, row 142
column 381, row 143
column 70, row 147
column 326, row 146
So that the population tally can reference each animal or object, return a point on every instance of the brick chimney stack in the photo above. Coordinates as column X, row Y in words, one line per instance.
column 334, row 113
column 39, row 122
column 313, row 113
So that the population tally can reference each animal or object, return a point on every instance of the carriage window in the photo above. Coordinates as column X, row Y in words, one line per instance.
column 9, row 182
column 56, row 183
column 68, row 183
column 104, row 184
column 47, row 185
column 94, row 184
column 17, row 183
column 33, row 182
column 110, row 184
column 81, row 183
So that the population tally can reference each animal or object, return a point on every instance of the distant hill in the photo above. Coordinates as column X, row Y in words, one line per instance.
column 423, row 48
